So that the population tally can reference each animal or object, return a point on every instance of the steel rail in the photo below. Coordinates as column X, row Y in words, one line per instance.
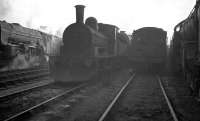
column 44, row 102
column 28, row 76
column 21, row 71
column 172, row 111
column 20, row 89
column 103, row 116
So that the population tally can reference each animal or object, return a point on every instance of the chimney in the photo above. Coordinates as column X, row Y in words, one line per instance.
column 79, row 13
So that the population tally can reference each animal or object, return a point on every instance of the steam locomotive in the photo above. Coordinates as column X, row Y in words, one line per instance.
column 185, row 49
column 22, row 48
column 147, row 52
column 89, row 47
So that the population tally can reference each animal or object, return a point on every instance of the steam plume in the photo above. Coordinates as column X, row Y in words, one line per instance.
column 5, row 7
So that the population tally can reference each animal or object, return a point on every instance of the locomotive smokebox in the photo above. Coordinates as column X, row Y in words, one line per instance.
column 79, row 13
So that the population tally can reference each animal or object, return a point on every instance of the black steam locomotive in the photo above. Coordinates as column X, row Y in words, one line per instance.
column 185, row 49
column 22, row 47
column 88, row 47
column 147, row 52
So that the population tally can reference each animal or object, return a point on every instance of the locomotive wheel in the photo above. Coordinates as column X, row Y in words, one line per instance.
column 190, row 82
column 194, row 84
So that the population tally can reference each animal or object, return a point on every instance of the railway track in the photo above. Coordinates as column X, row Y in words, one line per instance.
column 22, row 114
column 107, row 114
column 108, row 109
column 14, row 77
column 16, row 81
column 171, row 108
column 18, row 71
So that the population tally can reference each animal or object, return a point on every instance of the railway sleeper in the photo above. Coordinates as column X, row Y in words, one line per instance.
column 28, row 78
column 10, row 72
column 22, row 74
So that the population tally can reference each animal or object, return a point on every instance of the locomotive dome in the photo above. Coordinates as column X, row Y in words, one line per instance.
column 92, row 22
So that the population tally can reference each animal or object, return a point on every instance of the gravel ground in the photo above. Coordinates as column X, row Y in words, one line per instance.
column 187, row 108
column 87, row 104
column 92, row 108
column 142, row 101
column 20, row 102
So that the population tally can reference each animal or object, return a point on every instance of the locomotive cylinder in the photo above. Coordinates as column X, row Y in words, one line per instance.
column 79, row 13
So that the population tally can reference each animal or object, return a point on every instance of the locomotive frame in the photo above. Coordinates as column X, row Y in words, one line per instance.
column 185, row 49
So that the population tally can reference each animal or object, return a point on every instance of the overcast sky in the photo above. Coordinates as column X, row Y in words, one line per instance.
column 126, row 14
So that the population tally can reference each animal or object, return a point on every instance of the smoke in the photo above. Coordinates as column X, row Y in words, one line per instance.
column 5, row 8
column 58, row 32
column 35, row 14
column 19, row 11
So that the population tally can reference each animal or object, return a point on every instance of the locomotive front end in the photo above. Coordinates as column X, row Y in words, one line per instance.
column 77, row 41
column 76, row 55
